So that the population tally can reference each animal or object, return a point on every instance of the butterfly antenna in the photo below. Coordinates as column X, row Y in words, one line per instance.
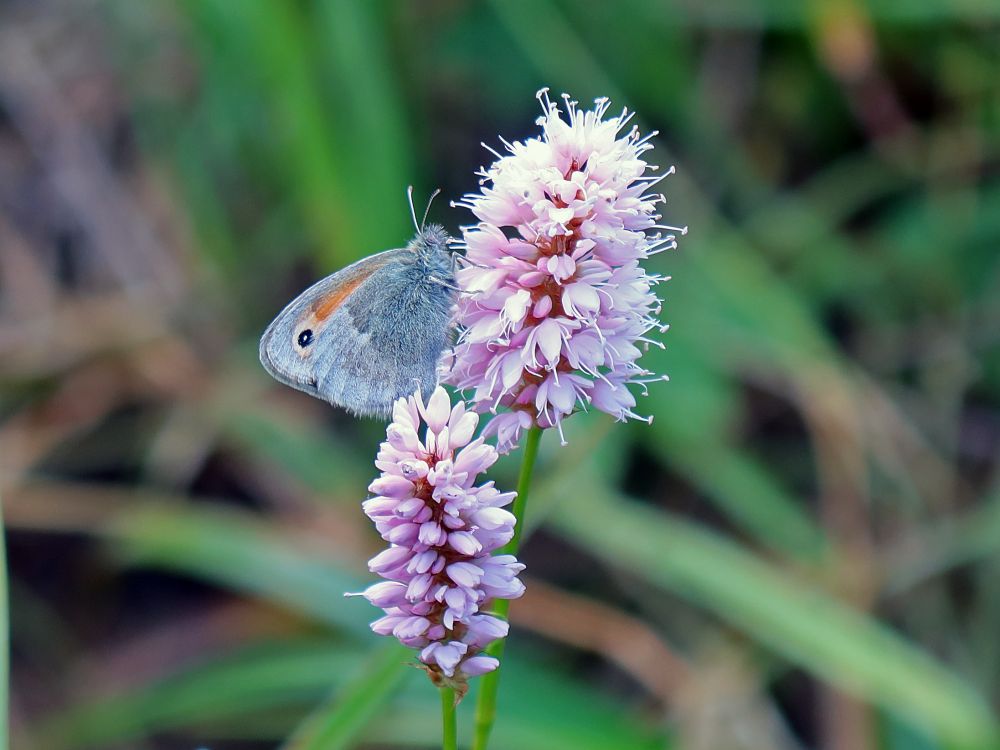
column 427, row 210
column 413, row 213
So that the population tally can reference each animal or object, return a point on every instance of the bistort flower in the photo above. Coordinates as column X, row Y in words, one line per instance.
column 442, row 529
column 558, row 306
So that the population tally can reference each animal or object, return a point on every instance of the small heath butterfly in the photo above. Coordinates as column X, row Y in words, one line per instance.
column 371, row 332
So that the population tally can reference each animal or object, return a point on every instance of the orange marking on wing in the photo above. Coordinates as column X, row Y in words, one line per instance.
column 328, row 305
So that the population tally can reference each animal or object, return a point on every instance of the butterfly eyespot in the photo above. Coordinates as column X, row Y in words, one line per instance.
column 305, row 338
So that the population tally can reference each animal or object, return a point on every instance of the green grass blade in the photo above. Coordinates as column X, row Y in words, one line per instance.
column 945, row 545
column 342, row 718
column 253, row 692
column 370, row 108
column 749, row 496
column 312, row 456
column 265, row 49
column 225, row 547
column 805, row 626
column 255, row 680
column 532, row 26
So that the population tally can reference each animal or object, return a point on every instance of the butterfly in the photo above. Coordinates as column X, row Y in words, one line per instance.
column 373, row 331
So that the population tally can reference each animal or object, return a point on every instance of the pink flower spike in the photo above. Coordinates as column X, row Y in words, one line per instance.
column 442, row 527
column 554, row 281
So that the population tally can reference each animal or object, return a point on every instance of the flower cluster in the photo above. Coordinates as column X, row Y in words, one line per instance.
column 558, row 304
column 442, row 529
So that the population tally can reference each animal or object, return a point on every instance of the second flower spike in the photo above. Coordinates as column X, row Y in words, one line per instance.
column 442, row 528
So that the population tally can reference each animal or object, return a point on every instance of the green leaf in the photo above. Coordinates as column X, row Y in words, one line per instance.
column 254, row 680
column 307, row 453
column 804, row 625
column 371, row 112
column 343, row 717
column 223, row 546
column 947, row 544
column 744, row 490
column 541, row 708
column 265, row 49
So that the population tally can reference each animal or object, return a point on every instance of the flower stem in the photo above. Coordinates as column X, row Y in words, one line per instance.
column 449, row 735
column 486, row 704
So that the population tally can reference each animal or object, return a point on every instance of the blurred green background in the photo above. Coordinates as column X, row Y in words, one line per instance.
column 803, row 551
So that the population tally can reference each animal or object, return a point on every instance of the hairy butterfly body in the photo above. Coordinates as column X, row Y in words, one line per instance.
column 370, row 333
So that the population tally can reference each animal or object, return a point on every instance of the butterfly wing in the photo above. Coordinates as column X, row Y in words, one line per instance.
column 386, row 340
column 289, row 347
column 365, row 336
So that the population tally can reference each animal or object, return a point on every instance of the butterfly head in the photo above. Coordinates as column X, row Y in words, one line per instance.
column 433, row 260
column 431, row 241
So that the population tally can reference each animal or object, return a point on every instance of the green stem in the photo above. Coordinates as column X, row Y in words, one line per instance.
column 449, row 735
column 486, row 705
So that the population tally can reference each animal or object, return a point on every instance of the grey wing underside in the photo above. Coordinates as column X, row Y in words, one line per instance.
column 277, row 351
column 366, row 380
column 382, row 345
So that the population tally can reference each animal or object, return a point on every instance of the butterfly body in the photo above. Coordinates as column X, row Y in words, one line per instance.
column 370, row 333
